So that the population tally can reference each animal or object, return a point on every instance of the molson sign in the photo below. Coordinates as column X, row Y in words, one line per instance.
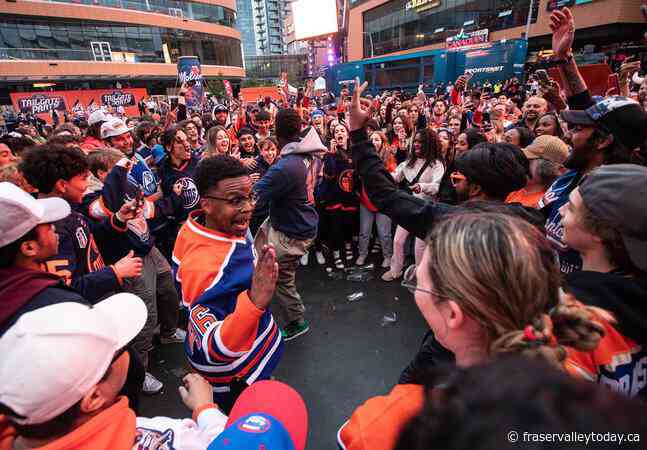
column 78, row 103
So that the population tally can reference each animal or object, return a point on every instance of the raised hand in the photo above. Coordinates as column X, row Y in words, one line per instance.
column 360, row 108
column 130, row 210
column 266, row 273
column 563, row 27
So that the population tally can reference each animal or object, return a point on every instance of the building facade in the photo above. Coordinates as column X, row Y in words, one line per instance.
column 390, row 27
column 89, row 44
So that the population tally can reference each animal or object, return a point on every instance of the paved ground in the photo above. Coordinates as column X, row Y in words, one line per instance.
column 348, row 356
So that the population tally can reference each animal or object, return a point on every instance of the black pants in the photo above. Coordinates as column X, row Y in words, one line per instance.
column 430, row 355
column 339, row 227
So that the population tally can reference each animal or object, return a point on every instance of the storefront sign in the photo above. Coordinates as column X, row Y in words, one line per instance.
column 80, row 102
column 558, row 4
column 468, row 39
column 422, row 5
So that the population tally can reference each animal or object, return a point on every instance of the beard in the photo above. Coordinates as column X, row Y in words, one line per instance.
column 579, row 158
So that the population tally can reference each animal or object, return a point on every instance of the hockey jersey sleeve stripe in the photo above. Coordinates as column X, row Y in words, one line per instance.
column 260, row 354
column 225, row 368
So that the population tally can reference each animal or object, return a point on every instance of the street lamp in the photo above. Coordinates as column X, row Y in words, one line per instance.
column 370, row 38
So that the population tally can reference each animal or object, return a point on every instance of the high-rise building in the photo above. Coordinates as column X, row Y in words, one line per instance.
column 261, row 24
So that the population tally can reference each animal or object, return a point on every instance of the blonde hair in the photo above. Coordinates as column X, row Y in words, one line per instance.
column 502, row 272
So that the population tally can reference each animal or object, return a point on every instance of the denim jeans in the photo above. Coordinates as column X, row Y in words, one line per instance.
column 397, row 262
column 366, row 220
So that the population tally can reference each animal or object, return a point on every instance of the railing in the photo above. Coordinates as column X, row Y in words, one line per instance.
column 189, row 10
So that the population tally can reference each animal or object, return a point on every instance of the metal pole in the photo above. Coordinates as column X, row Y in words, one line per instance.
column 532, row 4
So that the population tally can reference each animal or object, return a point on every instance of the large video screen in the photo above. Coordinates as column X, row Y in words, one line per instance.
column 314, row 18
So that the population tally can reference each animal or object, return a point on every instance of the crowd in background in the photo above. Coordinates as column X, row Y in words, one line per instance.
column 514, row 213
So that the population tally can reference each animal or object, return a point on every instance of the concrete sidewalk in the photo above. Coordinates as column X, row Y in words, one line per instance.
column 349, row 355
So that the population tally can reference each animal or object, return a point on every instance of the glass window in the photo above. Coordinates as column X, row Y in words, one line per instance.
column 71, row 40
column 392, row 26
column 198, row 11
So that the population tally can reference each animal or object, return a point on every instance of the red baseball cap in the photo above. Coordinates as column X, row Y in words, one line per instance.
column 279, row 401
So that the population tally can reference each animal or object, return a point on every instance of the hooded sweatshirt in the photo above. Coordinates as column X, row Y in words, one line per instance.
column 24, row 290
column 117, row 428
column 288, row 189
column 620, row 360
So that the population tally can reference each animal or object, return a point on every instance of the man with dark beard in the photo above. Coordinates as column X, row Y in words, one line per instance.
column 599, row 133
column 605, row 133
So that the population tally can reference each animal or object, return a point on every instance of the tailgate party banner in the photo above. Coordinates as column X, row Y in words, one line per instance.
column 77, row 103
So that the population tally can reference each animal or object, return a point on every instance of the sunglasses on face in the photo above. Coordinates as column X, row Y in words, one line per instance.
column 457, row 177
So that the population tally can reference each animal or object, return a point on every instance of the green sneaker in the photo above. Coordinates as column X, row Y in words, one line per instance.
column 295, row 329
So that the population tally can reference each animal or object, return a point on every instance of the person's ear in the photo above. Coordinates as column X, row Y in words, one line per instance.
column 29, row 248
column 454, row 315
column 94, row 400
column 60, row 186
column 475, row 191
column 205, row 205
column 604, row 143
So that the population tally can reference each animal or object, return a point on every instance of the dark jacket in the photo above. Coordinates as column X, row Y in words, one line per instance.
column 104, row 204
column 338, row 188
column 169, row 175
column 79, row 261
column 414, row 214
column 288, row 189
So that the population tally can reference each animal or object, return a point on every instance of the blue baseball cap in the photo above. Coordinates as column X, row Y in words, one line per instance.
column 254, row 431
column 316, row 113
column 158, row 153
column 268, row 414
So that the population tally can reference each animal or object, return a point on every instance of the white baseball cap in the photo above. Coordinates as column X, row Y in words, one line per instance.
column 98, row 116
column 113, row 127
column 21, row 213
column 53, row 356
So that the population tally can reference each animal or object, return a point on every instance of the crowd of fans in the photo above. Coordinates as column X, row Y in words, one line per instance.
column 518, row 224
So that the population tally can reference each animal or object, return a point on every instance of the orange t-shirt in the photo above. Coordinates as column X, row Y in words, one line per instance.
column 376, row 425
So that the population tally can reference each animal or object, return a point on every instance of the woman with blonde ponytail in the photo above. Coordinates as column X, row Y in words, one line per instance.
column 487, row 285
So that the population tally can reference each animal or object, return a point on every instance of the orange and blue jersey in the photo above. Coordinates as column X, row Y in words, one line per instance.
column 618, row 363
column 228, row 337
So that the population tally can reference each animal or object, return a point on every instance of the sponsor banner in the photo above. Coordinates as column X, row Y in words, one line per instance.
column 189, row 71
column 463, row 39
column 40, row 103
column 78, row 103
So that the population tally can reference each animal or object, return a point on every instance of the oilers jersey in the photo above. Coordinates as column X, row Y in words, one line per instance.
column 228, row 337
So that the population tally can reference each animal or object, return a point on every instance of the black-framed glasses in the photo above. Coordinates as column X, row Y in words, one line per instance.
column 236, row 202
column 410, row 282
